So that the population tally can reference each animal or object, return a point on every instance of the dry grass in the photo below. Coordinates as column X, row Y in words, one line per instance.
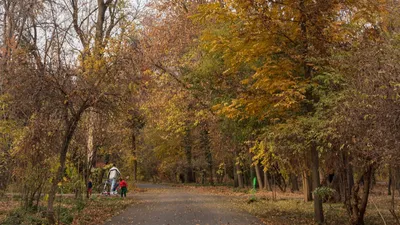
column 289, row 208
column 7, row 205
column 68, row 210
column 99, row 210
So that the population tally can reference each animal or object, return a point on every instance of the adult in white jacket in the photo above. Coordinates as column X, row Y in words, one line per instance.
column 113, row 175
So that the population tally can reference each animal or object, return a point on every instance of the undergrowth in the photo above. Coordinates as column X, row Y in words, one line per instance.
column 70, row 211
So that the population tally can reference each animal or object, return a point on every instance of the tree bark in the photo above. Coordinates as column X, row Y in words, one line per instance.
column 350, row 173
column 205, row 142
column 239, row 172
column 235, row 175
column 134, row 153
column 90, row 150
column 347, row 180
column 318, row 211
column 358, row 209
column 392, row 202
column 102, row 8
column 396, row 178
column 251, row 175
column 258, row 174
column 308, row 75
column 71, row 127
column 390, row 181
column 189, row 178
column 265, row 186
column 90, row 138
column 267, row 182
column 307, row 187
column 293, row 182
column 245, row 177
column 240, row 176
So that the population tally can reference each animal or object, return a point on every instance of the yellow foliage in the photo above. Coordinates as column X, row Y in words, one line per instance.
column 267, row 48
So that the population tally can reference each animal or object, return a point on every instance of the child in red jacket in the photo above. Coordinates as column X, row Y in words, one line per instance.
column 123, row 185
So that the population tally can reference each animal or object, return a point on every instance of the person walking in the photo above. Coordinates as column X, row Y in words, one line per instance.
column 124, row 187
column 113, row 174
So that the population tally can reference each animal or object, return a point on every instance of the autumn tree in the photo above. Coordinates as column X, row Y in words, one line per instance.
column 47, row 48
column 278, row 49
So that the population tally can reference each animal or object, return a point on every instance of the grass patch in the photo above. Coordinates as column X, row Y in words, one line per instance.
column 100, row 209
column 68, row 210
column 279, row 212
column 289, row 208
column 7, row 205
column 294, row 211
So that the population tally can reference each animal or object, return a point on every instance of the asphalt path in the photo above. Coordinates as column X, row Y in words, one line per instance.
column 164, row 205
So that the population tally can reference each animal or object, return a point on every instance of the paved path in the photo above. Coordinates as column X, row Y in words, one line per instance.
column 161, row 205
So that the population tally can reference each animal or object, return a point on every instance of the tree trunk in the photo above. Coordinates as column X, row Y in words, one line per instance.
column 350, row 175
column 347, row 181
column 251, row 175
column 337, row 185
column 278, row 178
column 392, row 209
column 358, row 209
column 90, row 150
column 71, row 127
column 245, row 177
column 390, row 181
column 189, row 178
column 205, row 143
column 38, row 198
column 396, row 178
column 258, row 174
column 267, row 182
column 307, row 187
column 99, row 35
column 134, row 153
column 90, row 138
column 240, row 176
column 235, row 174
column 273, row 187
column 318, row 211
column 239, row 172
column 293, row 182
